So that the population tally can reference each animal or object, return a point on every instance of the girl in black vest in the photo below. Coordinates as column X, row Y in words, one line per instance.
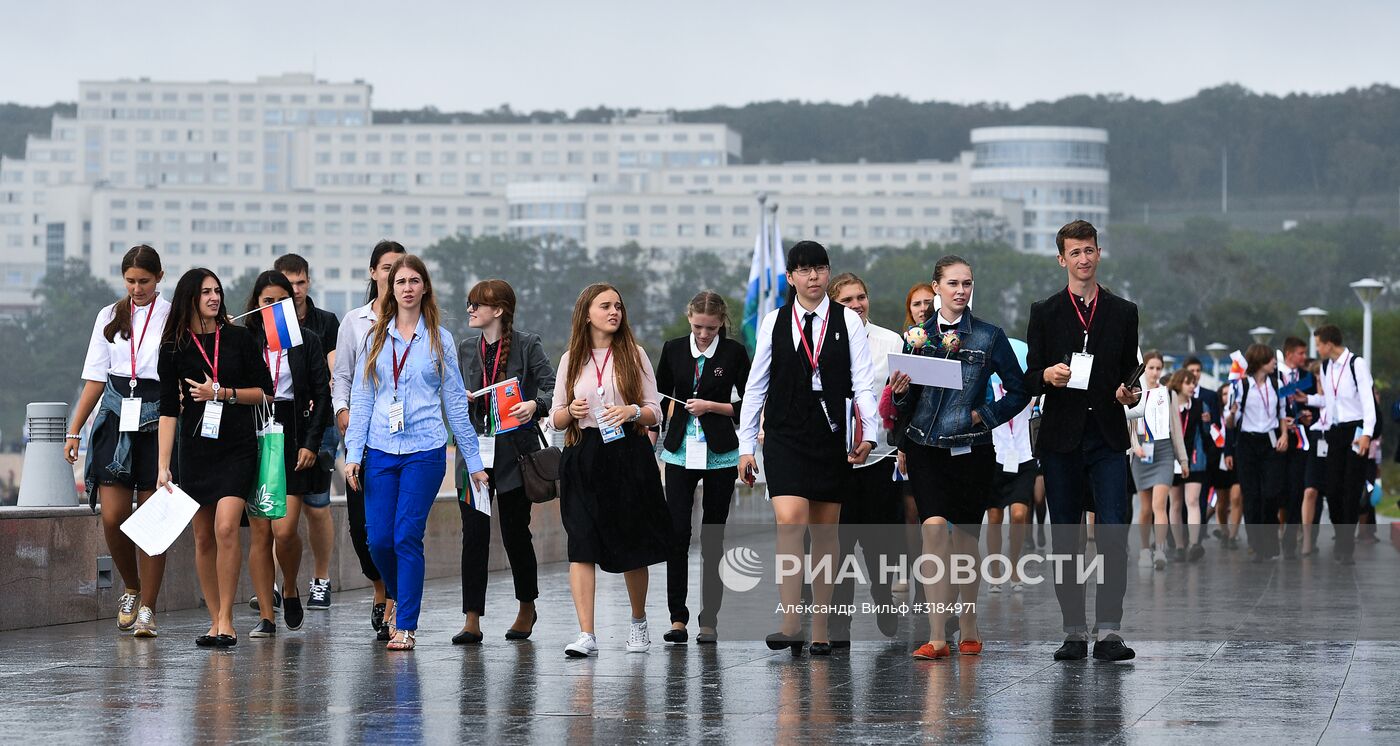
column 699, row 371
column 491, row 352
column 301, row 403
column 812, row 357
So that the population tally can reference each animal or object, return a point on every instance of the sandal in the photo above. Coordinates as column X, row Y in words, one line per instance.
column 403, row 640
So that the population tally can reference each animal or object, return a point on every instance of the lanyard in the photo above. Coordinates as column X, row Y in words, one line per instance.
column 275, row 374
column 1336, row 380
column 1266, row 393
column 1093, row 310
column 599, row 368
column 398, row 363
column 213, row 364
column 695, row 383
column 806, row 349
column 1147, row 414
column 136, row 344
column 495, row 367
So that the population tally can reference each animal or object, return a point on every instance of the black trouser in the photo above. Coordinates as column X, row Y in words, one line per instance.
column 717, row 488
column 874, row 508
column 1346, row 479
column 1295, row 473
column 513, row 510
column 355, row 514
column 1260, row 470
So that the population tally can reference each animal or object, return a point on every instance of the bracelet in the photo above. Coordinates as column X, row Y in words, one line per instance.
column 233, row 396
column 637, row 415
column 72, row 436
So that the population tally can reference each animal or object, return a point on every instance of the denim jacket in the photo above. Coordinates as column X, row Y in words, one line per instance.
column 942, row 418
column 111, row 406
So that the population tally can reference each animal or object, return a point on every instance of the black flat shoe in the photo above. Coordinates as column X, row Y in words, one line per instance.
column 206, row 641
column 677, row 636
column 820, row 648
column 1111, row 648
column 780, row 641
column 376, row 618
column 515, row 634
column 835, row 645
column 1073, row 650
column 707, row 638
column 467, row 638
column 225, row 641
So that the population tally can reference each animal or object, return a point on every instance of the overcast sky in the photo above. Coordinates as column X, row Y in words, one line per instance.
column 567, row 54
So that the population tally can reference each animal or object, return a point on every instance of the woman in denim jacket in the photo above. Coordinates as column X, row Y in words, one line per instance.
column 948, row 443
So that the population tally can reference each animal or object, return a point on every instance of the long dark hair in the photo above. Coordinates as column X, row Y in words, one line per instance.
column 497, row 294
column 431, row 317
column 186, row 301
column 140, row 257
column 627, row 361
column 270, row 277
column 380, row 249
column 804, row 254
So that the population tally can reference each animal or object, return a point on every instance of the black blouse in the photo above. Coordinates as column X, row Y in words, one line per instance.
column 240, row 366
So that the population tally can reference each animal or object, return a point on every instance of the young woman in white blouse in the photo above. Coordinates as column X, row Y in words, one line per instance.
column 1157, row 452
column 121, row 383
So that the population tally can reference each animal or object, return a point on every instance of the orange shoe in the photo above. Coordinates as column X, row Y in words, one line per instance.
column 928, row 652
column 970, row 647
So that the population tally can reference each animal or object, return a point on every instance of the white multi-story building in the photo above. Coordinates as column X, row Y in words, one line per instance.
column 232, row 175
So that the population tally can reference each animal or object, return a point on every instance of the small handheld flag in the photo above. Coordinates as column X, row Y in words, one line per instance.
column 1238, row 366
column 280, row 325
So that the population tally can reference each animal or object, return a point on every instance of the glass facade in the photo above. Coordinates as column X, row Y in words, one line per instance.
column 1041, row 154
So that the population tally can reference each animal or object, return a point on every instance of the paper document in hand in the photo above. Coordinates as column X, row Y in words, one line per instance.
column 479, row 496
column 928, row 371
column 161, row 519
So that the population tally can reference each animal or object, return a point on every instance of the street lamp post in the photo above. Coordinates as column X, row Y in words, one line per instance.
column 1367, row 290
column 1261, row 334
column 1312, row 317
column 1216, row 349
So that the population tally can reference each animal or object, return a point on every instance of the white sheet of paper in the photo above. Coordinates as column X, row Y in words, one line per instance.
column 928, row 371
column 1080, row 366
column 160, row 520
column 481, row 496
column 486, row 448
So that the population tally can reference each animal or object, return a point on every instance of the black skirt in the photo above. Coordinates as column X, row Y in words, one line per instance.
column 214, row 468
column 311, row 481
column 813, row 466
column 958, row 489
column 612, row 504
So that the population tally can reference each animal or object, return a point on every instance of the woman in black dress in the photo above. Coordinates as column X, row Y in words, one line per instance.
column 210, row 376
column 301, row 404
column 611, row 501
column 811, row 362
column 700, row 371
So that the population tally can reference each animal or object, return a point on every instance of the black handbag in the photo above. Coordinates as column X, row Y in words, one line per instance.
column 539, row 471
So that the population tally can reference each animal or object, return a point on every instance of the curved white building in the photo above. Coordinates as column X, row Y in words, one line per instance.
column 1059, row 173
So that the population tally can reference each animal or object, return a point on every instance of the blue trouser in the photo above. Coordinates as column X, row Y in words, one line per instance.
column 1092, row 476
column 400, row 491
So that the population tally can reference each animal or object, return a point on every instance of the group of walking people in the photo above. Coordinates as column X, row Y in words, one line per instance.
column 847, row 442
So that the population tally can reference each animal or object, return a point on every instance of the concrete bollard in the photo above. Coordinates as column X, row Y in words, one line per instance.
column 47, row 479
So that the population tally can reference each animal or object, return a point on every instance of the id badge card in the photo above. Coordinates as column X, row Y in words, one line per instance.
column 213, row 413
column 1322, row 448
column 486, row 448
column 131, row 415
column 1081, row 364
column 1356, row 440
column 1148, row 453
column 610, row 433
column 960, row 450
column 1011, row 467
column 395, row 417
column 1273, row 439
column 696, row 450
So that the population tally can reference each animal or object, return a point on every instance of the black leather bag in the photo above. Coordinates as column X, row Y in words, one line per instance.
column 539, row 471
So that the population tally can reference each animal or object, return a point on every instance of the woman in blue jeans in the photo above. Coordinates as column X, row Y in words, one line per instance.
column 410, row 378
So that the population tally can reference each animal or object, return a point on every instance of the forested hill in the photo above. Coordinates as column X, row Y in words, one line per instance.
column 1340, row 145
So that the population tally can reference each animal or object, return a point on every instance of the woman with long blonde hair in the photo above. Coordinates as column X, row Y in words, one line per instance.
column 611, row 500
column 396, row 429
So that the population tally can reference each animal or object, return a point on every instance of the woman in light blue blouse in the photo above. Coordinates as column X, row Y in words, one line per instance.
column 410, row 377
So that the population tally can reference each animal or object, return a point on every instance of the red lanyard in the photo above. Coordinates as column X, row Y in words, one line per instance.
column 1266, row 392
column 495, row 367
column 1093, row 310
column 1336, row 380
column 136, row 344
column 213, row 364
column 606, row 357
column 1185, row 415
column 807, row 349
column 275, row 374
column 399, row 363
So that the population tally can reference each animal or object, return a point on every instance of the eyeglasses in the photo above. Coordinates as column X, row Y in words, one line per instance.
column 474, row 306
column 806, row 272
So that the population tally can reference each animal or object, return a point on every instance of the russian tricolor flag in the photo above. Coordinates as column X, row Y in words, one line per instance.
column 280, row 325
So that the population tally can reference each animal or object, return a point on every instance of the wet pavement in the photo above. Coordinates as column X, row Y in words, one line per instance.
column 329, row 682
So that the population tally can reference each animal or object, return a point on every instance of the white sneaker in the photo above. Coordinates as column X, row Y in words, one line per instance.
column 638, row 637
column 1018, row 587
column 585, row 646
column 994, row 587
column 1145, row 559
column 1159, row 559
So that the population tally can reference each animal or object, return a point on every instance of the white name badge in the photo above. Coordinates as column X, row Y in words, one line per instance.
column 1148, row 453
column 1322, row 449
column 960, row 450
column 1011, row 467
column 1273, row 439
column 695, row 450
column 1081, row 364
column 609, row 432
column 131, row 415
column 486, row 448
column 395, row 417
column 213, row 413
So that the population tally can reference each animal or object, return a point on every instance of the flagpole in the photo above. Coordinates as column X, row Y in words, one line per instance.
column 255, row 310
